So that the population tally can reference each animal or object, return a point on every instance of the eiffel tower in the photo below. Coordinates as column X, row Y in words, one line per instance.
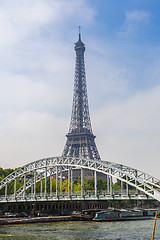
column 80, row 139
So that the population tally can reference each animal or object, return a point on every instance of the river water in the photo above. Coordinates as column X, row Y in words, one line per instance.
column 131, row 230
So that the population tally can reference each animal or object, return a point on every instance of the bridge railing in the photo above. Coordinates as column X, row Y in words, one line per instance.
column 38, row 177
column 89, row 194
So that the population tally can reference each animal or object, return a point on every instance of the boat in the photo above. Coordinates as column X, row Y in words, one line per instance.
column 124, row 215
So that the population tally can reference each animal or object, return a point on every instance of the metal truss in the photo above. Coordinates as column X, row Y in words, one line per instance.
column 37, row 171
column 80, row 139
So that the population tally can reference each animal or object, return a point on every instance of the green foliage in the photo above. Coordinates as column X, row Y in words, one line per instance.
column 4, row 173
column 88, row 183
column 117, row 185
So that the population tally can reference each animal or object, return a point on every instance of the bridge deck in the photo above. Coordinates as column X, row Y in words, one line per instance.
column 74, row 197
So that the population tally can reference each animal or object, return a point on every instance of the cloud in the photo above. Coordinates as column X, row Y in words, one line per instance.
column 29, row 136
column 36, row 60
column 137, row 16
column 129, row 131
column 134, row 21
column 36, row 76
column 21, row 19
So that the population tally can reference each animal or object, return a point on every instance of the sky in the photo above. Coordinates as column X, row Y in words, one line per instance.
column 122, row 60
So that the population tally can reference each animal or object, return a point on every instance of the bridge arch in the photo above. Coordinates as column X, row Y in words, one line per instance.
column 40, row 170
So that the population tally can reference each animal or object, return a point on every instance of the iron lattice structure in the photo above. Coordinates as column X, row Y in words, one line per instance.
column 80, row 139
column 30, row 181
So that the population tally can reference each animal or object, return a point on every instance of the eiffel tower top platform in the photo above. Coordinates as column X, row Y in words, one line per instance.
column 80, row 139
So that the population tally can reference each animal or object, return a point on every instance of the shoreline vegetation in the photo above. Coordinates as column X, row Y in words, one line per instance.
column 88, row 183
column 54, row 215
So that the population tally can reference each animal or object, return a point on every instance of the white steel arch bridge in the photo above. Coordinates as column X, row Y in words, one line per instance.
column 143, row 185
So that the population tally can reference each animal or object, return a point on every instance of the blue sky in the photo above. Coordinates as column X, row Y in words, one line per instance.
column 122, row 59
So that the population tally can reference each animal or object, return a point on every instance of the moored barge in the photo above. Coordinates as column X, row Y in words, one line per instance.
column 125, row 215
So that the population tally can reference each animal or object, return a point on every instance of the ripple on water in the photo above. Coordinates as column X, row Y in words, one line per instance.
column 133, row 230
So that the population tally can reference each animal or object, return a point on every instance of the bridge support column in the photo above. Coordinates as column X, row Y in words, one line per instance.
column 15, row 188
column 127, row 188
column 95, row 182
column 35, row 184
column 82, row 182
column 56, row 182
column 24, row 193
column 45, row 184
column 111, row 186
column 136, row 182
column 50, row 181
column 121, row 187
column 108, row 184
column 6, row 192
column 136, row 185
column 41, row 186
column 144, row 182
column 61, row 181
column 32, row 188
column 69, row 182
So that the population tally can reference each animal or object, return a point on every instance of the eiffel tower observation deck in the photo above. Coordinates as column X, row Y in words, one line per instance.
column 80, row 139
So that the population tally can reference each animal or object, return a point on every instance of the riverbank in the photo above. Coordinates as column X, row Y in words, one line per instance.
column 86, row 215
column 25, row 220
column 7, row 221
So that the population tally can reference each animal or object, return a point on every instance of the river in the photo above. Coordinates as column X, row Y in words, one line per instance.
column 131, row 230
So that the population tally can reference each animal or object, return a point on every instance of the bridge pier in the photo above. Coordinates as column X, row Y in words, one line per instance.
column 50, row 207
column 58, row 207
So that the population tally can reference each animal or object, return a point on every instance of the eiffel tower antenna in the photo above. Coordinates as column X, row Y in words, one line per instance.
column 79, row 32
column 80, row 139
